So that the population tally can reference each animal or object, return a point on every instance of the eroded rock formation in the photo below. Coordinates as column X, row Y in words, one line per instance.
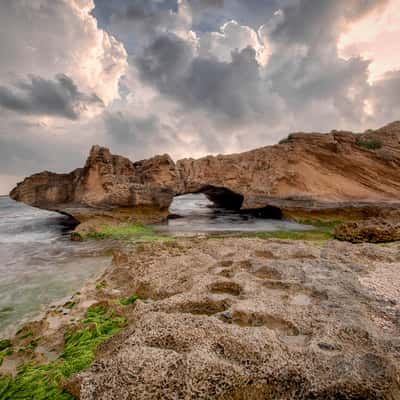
column 251, row 319
column 340, row 174
column 372, row 230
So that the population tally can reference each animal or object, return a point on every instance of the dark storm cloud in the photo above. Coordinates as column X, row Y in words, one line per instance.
column 138, row 11
column 137, row 22
column 209, row 15
column 125, row 18
column 305, row 79
column 38, row 96
column 131, row 131
column 165, row 62
column 319, row 77
column 142, row 134
column 311, row 22
column 305, row 67
column 235, row 89
column 201, row 4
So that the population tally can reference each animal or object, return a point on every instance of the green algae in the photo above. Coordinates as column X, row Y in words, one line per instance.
column 42, row 381
column 128, row 300
column 287, row 139
column 321, row 232
column 5, row 344
column 132, row 232
column 71, row 304
column 101, row 285
column 316, row 235
column 26, row 335
column 5, row 349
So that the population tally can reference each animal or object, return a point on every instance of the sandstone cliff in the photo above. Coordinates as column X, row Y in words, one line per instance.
column 305, row 175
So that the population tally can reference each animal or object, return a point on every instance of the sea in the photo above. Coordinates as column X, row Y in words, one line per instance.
column 40, row 265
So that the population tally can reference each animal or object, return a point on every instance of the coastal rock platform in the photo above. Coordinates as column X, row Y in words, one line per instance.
column 338, row 175
column 251, row 319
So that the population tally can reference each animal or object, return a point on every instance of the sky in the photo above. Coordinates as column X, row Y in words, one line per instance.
column 187, row 77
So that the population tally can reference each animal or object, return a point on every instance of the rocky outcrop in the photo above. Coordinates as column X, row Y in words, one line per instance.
column 372, row 230
column 108, row 186
column 308, row 175
column 228, row 319
column 251, row 319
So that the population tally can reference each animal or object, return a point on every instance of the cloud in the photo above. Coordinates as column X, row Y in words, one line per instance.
column 315, row 23
column 385, row 95
column 232, row 89
column 218, row 80
column 47, row 37
column 56, row 70
column 136, row 22
column 374, row 37
column 231, row 37
column 38, row 96
column 188, row 78
column 143, row 132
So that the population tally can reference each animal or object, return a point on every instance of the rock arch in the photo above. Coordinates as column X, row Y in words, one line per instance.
column 309, row 176
column 222, row 197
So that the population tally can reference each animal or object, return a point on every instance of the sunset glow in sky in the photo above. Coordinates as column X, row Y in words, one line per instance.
column 187, row 77
column 375, row 37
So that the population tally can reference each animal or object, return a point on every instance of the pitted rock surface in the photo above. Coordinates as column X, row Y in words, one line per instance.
column 251, row 319
column 371, row 230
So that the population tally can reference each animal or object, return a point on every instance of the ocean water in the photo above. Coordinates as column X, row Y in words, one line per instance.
column 196, row 214
column 38, row 262
column 40, row 265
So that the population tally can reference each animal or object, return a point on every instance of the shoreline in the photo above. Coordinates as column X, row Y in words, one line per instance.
column 133, row 273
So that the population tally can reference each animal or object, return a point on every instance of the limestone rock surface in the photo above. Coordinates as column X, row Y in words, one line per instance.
column 308, row 175
column 371, row 230
column 237, row 319
column 107, row 187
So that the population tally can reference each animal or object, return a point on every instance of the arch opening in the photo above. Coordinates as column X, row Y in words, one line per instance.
column 223, row 197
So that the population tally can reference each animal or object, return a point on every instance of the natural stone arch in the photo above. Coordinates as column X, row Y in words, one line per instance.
column 311, row 176
column 222, row 197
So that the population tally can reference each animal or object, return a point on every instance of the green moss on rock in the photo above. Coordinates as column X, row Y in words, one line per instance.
column 128, row 300
column 124, row 232
column 370, row 144
column 4, row 344
column 42, row 382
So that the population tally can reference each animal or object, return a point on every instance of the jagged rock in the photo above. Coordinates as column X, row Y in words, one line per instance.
column 340, row 174
column 108, row 187
column 371, row 230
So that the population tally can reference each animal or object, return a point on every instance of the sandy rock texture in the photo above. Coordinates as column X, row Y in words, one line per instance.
column 338, row 174
column 371, row 230
column 252, row 319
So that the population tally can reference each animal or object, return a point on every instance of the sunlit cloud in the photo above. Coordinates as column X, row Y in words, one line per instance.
column 376, row 38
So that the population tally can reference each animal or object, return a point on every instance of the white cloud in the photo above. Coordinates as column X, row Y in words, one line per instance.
column 41, row 40
column 47, row 37
column 232, row 37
